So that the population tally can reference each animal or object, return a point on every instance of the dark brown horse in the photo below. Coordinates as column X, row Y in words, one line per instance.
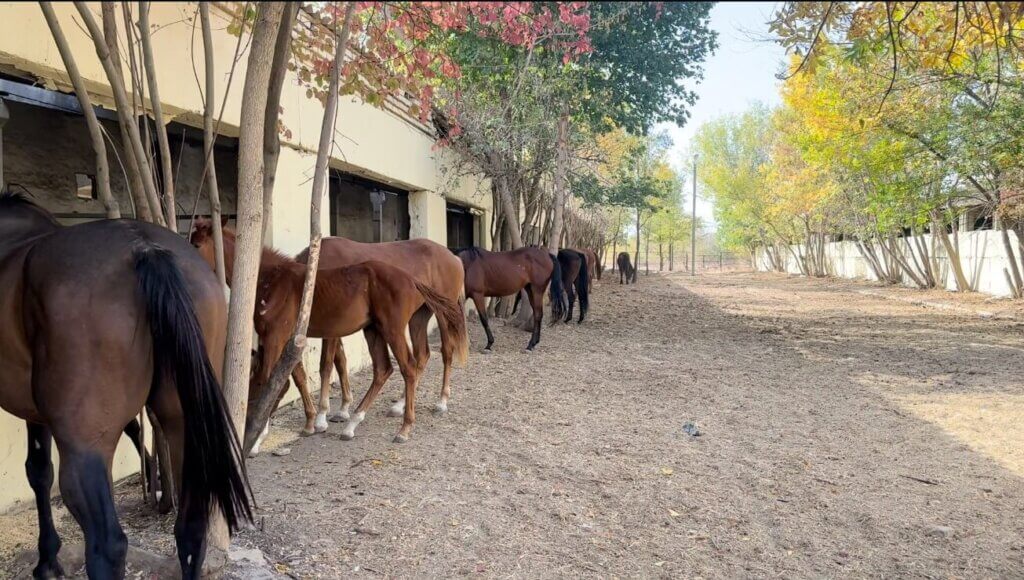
column 96, row 321
column 576, row 281
column 625, row 268
column 491, row 274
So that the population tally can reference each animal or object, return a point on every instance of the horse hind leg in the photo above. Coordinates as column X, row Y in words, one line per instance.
column 421, row 351
column 39, row 469
column 85, row 487
column 410, row 370
column 537, row 302
column 479, row 301
column 382, row 369
column 326, row 368
column 341, row 364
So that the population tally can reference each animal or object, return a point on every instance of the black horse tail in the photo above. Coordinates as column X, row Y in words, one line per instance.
column 555, row 290
column 213, row 472
column 583, row 285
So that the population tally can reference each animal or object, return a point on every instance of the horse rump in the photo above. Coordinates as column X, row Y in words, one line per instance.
column 451, row 322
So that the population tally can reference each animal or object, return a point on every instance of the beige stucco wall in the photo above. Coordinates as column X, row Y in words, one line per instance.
column 370, row 142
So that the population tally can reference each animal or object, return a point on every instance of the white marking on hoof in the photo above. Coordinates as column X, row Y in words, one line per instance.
column 398, row 409
column 259, row 440
column 400, row 439
column 441, row 408
column 340, row 416
column 348, row 432
column 320, row 424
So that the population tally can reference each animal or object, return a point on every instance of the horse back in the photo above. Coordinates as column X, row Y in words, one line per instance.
column 426, row 261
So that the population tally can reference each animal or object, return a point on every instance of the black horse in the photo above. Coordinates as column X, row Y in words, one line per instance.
column 576, row 280
column 626, row 269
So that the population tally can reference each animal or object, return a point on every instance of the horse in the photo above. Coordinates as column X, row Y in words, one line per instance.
column 575, row 280
column 427, row 262
column 372, row 296
column 593, row 268
column 490, row 274
column 98, row 320
column 625, row 268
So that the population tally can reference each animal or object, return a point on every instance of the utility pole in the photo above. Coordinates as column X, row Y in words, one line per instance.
column 693, row 222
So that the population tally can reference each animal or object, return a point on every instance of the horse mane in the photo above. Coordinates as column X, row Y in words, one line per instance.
column 472, row 252
column 11, row 198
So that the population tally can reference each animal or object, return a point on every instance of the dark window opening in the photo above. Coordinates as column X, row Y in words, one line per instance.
column 367, row 211
column 461, row 222
column 983, row 222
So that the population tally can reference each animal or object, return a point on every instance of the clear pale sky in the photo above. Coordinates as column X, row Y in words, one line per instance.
column 741, row 72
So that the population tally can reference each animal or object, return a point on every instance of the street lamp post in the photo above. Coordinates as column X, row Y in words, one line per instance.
column 693, row 223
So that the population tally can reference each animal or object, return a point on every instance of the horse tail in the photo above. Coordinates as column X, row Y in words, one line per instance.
column 515, row 305
column 555, row 290
column 583, row 284
column 451, row 322
column 212, row 472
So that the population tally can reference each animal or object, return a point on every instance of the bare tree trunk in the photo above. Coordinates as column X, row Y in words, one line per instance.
column 636, row 255
column 92, row 123
column 209, row 140
column 245, row 270
column 661, row 258
column 271, row 136
column 167, row 167
column 561, row 169
column 278, row 381
column 1018, row 285
column 105, row 51
column 647, row 253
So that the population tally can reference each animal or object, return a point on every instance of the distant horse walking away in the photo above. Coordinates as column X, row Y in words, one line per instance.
column 96, row 321
column 576, row 280
column 625, row 268
column 374, row 297
column 491, row 274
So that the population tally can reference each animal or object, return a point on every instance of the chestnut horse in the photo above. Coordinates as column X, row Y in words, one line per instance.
column 506, row 273
column 374, row 297
column 576, row 280
column 593, row 268
column 427, row 262
column 274, row 333
column 96, row 321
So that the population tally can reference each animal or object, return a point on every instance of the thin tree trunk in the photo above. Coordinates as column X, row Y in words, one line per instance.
column 1018, row 285
column 113, row 211
column 278, row 381
column 271, row 136
column 561, row 169
column 167, row 168
column 245, row 270
column 114, row 76
column 209, row 141
column 636, row 255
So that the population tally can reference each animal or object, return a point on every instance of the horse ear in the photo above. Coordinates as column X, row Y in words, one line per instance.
column 223, row 220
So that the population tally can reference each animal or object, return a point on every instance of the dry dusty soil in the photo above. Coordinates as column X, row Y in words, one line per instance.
column 846, row 430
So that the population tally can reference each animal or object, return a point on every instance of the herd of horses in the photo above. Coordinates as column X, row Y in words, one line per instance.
column 99, row 320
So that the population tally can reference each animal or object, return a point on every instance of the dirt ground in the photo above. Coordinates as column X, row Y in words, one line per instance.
column 845, row 430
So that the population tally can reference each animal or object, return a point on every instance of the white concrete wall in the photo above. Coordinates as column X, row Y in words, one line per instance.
column 982, row 256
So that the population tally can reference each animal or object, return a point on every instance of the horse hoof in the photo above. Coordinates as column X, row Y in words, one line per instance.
column 486, row 351
column 254, row 453
column 48, row 570
column 347, row 436
column 339, row 417
column 308, row 432
column 400, row 439
column 440, row 410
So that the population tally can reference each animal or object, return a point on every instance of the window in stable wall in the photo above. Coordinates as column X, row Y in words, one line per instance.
column 367, row 211
column 461, row 226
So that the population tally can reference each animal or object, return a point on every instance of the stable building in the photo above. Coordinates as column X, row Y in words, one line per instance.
column 388, row 181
